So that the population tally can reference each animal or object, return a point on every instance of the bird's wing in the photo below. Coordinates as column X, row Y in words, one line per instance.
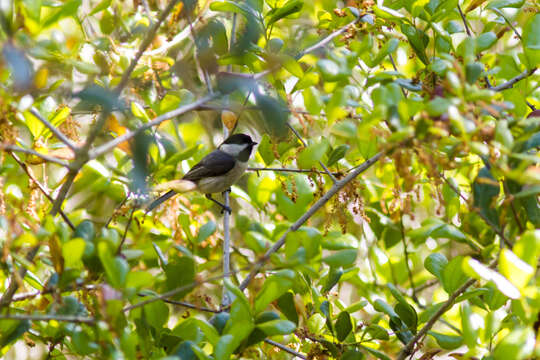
column 214, row 164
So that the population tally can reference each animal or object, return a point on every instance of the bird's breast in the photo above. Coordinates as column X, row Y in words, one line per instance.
column 217, row 184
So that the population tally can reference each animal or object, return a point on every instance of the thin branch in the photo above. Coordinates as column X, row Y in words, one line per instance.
column 297, row 134
column 464, row 20
column 63, row 138
column 501, row 14
column 285, row 348
column 292, row 170
column 45, row 157
column 41, row 188
column 406, row 253
column 408, row 349
column 7, row 297
column 314, row 208
column 63, row 318
column 130, row 219
column 191, row 306
column 510, row 83
column 103, row 149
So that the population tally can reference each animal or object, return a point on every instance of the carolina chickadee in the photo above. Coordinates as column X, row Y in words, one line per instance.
column 216, row 172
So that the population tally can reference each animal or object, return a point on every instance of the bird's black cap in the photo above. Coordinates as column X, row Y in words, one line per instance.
column 239, row 139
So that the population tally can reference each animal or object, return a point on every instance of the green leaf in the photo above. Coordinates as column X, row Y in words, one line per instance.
column 485, row 192
column 377, row 332
column 499, row 4
column 85, row 230
column 473, row 72
column 180, row 272
column 517, row 271
column 290, row 7
column 435, row 264
column 330, row 71
column 225, row 347
column 352, row 354
column 33, row 9
column 337, row 154
column 116, row 268
column 453, row 276
column 286, row 305
column 277, row 327
column 310, row 156
column 292, row 66
column 418, row 41
column 531, row 41
column 447, row 342
column 528, row 247
column 68, row 9
column 389, row 47
column 312, row 100
column 485, row 41
column 274, row 116
column 438, row 106
column 480, row 271
column 100, row 7
column 72, row 251
column 517, row 345
column 343, row 325
column 341, row 258
column 275, row 286
column 408, row 315
column 205, row 231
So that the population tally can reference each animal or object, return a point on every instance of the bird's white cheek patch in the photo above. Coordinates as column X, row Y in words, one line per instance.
column 232, row 149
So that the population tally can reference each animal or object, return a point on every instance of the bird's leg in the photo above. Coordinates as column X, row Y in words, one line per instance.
column 223, row 206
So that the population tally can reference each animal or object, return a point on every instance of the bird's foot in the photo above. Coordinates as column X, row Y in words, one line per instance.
column 226, row 208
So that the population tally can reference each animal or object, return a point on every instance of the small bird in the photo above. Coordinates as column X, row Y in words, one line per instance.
column 216, row 172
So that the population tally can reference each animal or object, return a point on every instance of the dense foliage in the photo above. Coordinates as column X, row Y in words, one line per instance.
column 410, row 227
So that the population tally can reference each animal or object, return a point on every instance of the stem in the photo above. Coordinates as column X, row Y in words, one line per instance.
column 510, row 83
column 292, row 170
column 7, row 297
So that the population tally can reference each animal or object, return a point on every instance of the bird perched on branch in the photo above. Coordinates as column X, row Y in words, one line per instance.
column 215, row 173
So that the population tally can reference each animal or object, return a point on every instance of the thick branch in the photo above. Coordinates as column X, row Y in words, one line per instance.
column 319, row 204
column 510, row 83
column 63, row 318
column 103, row 149
column 63, row 138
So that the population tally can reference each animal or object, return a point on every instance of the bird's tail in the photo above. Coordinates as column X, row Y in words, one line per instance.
column 169, row 194
column 177, row 186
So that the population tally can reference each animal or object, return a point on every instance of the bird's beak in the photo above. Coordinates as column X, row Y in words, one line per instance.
column 254, row 143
